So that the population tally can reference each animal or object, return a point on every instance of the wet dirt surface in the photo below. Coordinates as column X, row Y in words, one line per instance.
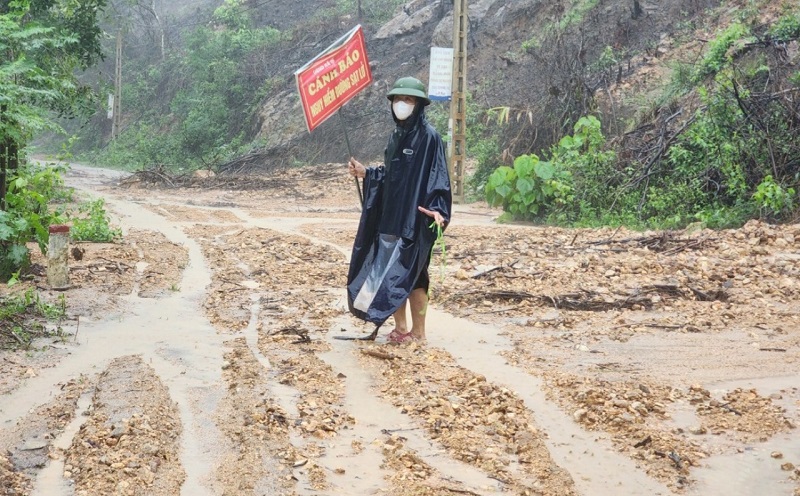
column 198, row 357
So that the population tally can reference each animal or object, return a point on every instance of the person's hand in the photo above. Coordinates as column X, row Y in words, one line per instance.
column 433, row 214
column 356, row 169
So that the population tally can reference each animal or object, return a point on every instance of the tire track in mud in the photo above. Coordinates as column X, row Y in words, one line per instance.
column 289, row 320
column 129, row 443
column 259, row 455
column 286, row 327
column 30, row 444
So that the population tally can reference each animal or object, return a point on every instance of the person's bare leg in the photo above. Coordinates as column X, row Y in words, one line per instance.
column 419, row 307
column 400, row 322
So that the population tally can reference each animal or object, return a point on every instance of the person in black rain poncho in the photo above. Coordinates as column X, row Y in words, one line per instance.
column 402, row 199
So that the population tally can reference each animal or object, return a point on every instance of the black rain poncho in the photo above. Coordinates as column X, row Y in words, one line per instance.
column 394, row 240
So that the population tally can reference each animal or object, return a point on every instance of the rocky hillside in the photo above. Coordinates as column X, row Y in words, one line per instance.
column 540, row 59
column 534, row 68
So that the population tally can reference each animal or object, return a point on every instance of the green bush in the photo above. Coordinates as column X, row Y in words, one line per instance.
column 773, row 199
column 786, row 28
column 28, row 215
column 93, row 224
column 529, row 189
column 717, row 56
column 572, row 185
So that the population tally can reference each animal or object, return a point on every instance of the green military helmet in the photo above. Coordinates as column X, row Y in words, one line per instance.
column 410, row 86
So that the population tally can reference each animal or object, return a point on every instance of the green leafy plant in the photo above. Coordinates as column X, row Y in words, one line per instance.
column 27, row 215
column 572, row 184
column 774, row 199
column 93, row 224
column 590, row 165
column 23, row 316
column 530, row 188
column 716, row 56
column 786, row 28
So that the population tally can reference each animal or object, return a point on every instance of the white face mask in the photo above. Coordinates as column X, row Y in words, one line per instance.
column 402, row 110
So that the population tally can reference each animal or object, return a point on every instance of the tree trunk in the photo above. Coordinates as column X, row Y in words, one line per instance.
column 9, row 162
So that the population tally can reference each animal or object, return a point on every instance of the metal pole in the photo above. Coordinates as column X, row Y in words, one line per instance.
column 458, row 104
column 350, row 151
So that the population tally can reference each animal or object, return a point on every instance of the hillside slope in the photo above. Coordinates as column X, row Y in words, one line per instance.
column 528, row 55
column 669, row 83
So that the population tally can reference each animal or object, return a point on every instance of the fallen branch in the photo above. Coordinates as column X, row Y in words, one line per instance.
column 378, row 354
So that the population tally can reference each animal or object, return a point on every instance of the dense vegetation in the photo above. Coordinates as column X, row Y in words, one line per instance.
column 721, row 146
column 43, row 43
column 194, row 105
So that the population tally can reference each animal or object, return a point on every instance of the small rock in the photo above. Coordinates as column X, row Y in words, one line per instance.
column 119, row 431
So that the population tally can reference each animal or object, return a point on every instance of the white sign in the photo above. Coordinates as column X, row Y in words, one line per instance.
column 110, row 105
column 440, row 82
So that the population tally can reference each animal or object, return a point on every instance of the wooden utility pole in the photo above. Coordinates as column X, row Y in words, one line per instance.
column 116, row 117
column 458, row 104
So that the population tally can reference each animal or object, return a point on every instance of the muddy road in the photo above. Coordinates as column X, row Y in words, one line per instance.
column 199, row 357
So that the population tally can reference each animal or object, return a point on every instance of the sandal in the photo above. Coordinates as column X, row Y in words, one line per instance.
column 395, row 334
column 401, row 338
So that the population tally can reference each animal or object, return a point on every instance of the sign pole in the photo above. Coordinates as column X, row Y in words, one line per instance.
column 350, row 151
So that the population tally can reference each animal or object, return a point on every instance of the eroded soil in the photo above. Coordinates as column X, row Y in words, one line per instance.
column 198, row 357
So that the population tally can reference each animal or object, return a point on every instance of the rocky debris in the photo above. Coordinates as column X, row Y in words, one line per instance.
column 476, row 421
column 160, row 264
column 634, row 414
column 640, row 283
column 129, row 443
column 320, row 404
column 623, row 327
column 411, row 475
column 180, row 213
column 12, row 481
column 144, row 262
column 28, row 446
column 541, row 267
column 261, row 457
column 286, row 271
column 746, row 413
